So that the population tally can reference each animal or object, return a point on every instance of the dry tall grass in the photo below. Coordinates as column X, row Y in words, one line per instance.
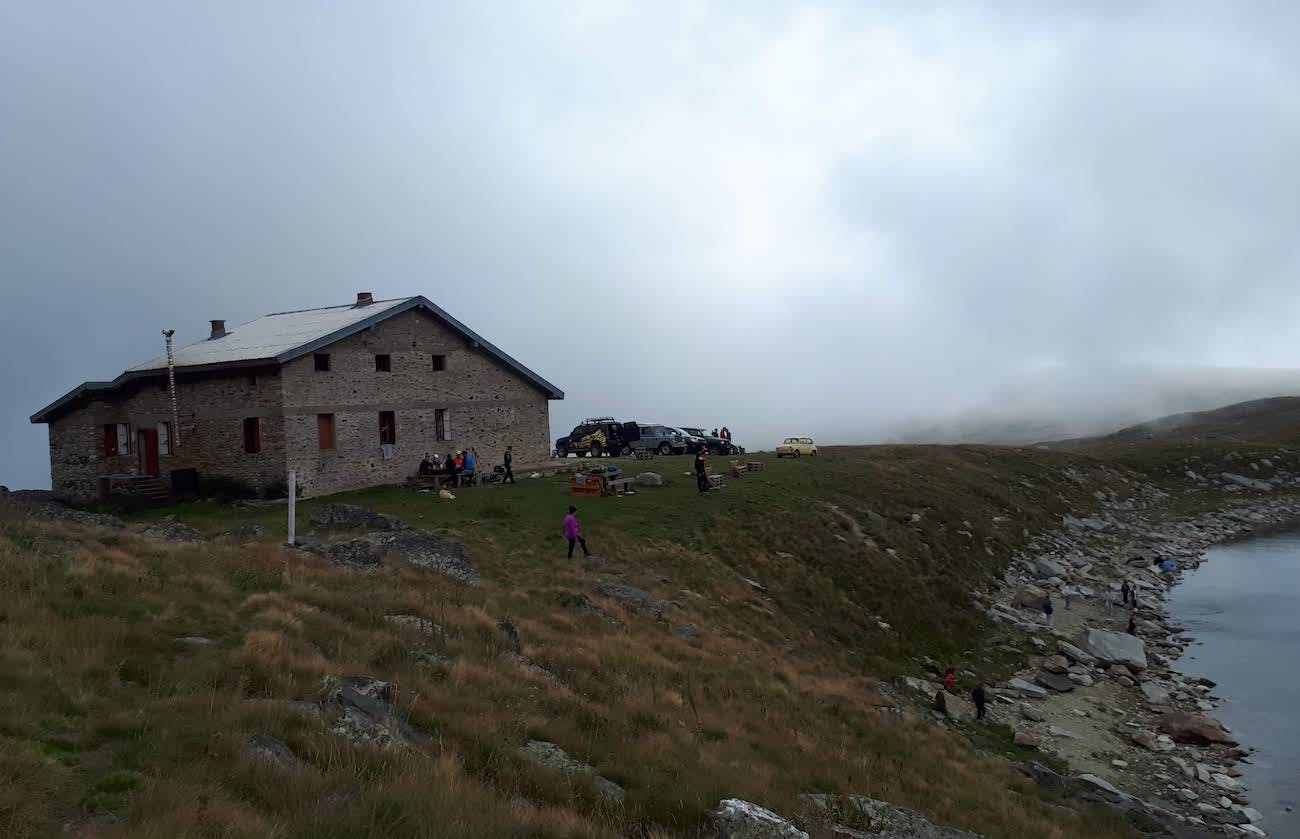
column 111, row 727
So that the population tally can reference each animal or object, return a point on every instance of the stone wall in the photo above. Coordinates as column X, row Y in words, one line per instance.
column 212, row 412
column 488, row 405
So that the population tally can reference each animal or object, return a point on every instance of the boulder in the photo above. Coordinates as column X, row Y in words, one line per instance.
column 169, row 529
column 360, row 709
column 1029, row 712
column 1083, row 680
column 1154, row 693
column 1186, row 727
column 1151, row 742
column 859, row 816
column 1075, row 654
column 1030, row 597
column 352, row 517
column 1053, row 681
column 738, row 819
column 418, row 547
column 1116, row 648
column 630, row 596
column 1056, row 664
column 273, row 751
column 1027, row 688
column 1047, row 568
column 552, row 756
column 1024, row 738
column 650, row 479
column 953, row 706
column 1064, row 733
column 873, row 522
column 1248, row 483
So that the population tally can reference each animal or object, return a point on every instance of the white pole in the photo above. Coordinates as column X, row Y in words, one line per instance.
column 293, row 505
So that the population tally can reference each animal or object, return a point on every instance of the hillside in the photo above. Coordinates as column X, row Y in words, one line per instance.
column 742, row 644
column 1273, row 421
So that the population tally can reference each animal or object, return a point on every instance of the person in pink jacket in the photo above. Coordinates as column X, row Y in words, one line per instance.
column 573, row 532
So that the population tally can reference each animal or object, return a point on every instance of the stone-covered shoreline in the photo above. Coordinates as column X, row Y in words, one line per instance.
column 1136, row 731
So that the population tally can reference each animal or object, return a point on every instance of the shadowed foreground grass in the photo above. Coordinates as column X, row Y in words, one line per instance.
column 111, row 727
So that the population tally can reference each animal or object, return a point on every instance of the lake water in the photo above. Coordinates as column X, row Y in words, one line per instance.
column 1243, row 607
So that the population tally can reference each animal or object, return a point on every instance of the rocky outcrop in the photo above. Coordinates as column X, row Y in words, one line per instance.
column 170, row 529
column 553, row 757
column 360, row 709
column 352, row 517
column 42, row 504
column 273, row 751
column 419, row 547
column 859, row 816
column 1186, row 727
column 630, row 596
column 1116, row 648
column 738, row 819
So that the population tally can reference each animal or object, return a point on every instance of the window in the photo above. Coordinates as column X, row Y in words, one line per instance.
column 439, row 363
column 325, row 430
column 117, row 439
column 387, row 428
column 322, row 362
column 164, row 438
column 252, row 435
column 442, row 424
column 383, row 363
column 252, row 380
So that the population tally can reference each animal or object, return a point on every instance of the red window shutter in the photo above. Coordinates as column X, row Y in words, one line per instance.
column 325, row 430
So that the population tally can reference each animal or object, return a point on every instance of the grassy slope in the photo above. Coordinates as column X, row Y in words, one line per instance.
column 110, row 725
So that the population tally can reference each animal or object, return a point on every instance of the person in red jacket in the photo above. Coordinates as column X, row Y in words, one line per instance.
column 949, row 679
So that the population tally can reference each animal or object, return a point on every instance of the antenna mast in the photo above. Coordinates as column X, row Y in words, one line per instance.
column 171, row 389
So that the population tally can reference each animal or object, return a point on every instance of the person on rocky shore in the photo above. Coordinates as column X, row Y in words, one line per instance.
column 1125, row 593
column 1048, row 609
column 949, row 679
column 977, row 696
column 1132, row 626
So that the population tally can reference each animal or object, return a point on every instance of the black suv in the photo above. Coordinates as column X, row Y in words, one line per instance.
column 597, row 436
column 716, row 444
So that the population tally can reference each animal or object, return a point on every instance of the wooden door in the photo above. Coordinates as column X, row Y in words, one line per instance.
column 149, row 451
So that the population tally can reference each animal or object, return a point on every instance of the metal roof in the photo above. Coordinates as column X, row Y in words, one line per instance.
column 283, row 336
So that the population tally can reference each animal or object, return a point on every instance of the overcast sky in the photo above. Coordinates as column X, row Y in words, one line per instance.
column 787, row 218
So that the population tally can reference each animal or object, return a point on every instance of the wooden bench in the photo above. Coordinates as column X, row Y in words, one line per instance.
column 434, row 482
column 620, row 486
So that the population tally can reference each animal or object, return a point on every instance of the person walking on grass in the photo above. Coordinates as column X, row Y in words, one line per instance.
column 509, row 460
column 1048, row 609
column 573, row 532
column 977, row 696
column 702, row 471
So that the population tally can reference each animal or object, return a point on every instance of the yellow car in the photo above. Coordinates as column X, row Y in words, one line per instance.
column 796, row 447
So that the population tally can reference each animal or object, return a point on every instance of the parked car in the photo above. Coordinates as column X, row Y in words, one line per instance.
column 597, row 436
column 661, row 439
column 797, row 447
column 714, row 443
column 694, row 442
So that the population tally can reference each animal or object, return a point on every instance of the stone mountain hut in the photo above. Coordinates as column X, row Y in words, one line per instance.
column 349, row 396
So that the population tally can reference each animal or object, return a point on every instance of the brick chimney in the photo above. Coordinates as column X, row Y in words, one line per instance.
column 218, row 329
column 365, row 298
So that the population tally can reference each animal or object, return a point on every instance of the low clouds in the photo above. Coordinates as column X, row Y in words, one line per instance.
column 822, row 219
